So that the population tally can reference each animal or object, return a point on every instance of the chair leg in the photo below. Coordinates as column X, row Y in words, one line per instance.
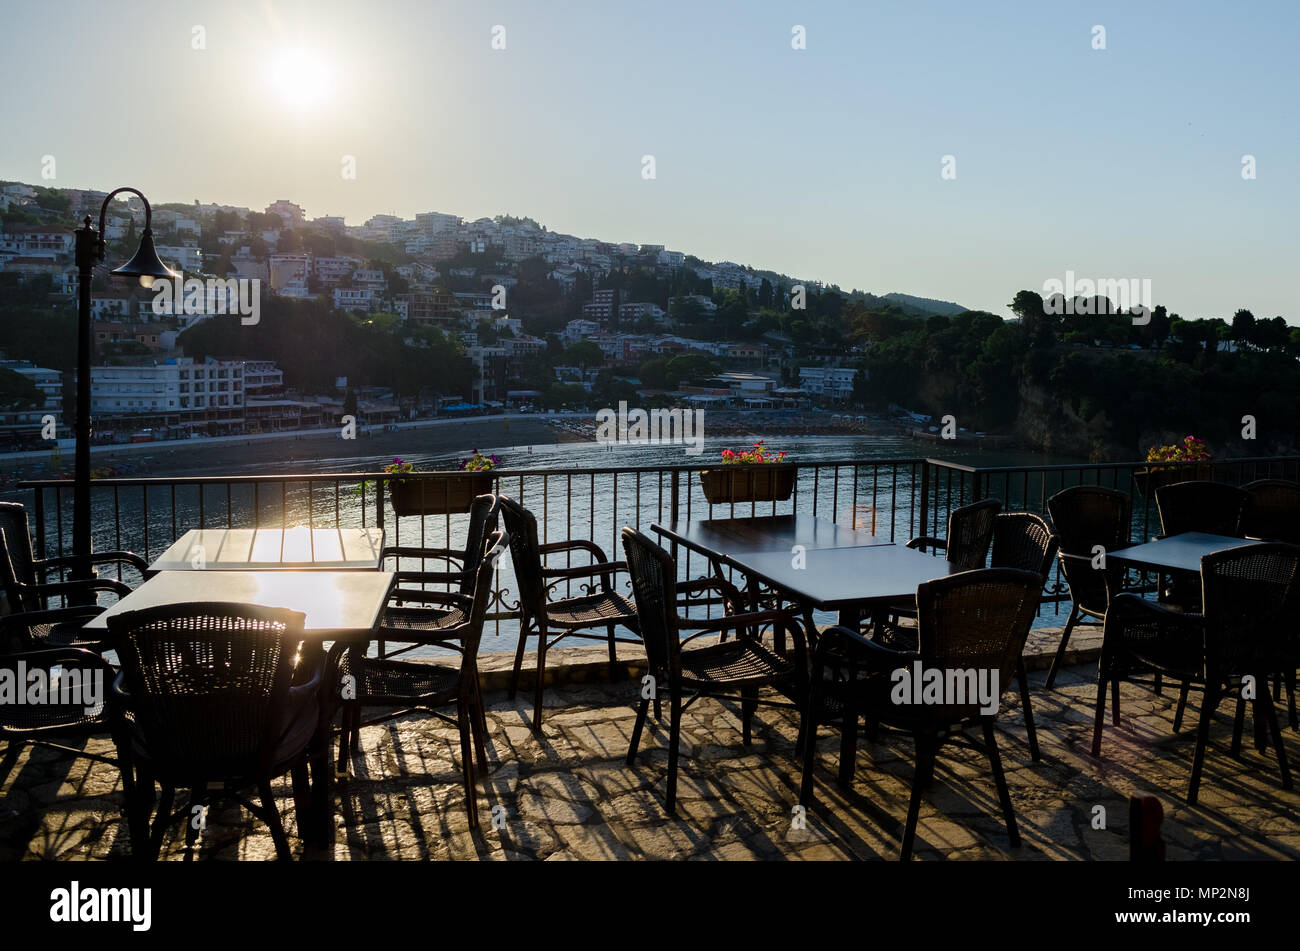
column 674, row 738
column 642, row 709
column 282, row 850
column 848, row 746
column 809, row 751
column 1290, row 700
column 613, row 653
column 1238, row 724
column 1114, row 700
column 926, row 750
column 1025, row 704
column 302, row 804
column 1000, row 780
column 1100, row 718
column 1183, row 690
column 1212, row 697
column 345, row 736
column 1265, row 709
column 1159, row 684
column 541, row 680
column 519, row 657
column 748, row 704
column 1060, row 648
column 161, row 822
column 478, row 725
column 464, row 723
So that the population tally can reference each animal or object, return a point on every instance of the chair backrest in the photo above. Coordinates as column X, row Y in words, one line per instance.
column 526, row 557
column 209, row 684
column 18, row 543
column 654, row 591
column 1273, row 510
column 1084, row 517
column 970, row 529
column 494, row 546
column 483, row 513
column 1199, row 506
column 975, row 621
column 1023, row 540
column 1250, row 596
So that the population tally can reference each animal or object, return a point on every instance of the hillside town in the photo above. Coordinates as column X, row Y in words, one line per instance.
column 537, row 319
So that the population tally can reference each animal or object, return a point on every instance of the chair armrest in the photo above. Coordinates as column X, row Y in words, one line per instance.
column 730, row 593
column 728, row 621
column 404, row 551
column 429, row 577
column 449, row 598
column 79, row 657
column 921, row 542
column 98, row 558
column 574, row 544
column 29, row 619
column 1129, row 606
column 604, row 568
column 63, row 588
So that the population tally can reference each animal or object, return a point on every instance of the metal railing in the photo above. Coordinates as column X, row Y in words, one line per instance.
column 894, row 498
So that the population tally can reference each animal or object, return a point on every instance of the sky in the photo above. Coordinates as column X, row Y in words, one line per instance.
column 824, row 162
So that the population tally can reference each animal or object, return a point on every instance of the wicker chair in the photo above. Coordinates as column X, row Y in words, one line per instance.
column 1086, row 516
column 572, row 617
column 1024, row 541
column 970, row 530
column 31, row 574
column 217, row 693
column 44, row 724
column 410, row 625
column 1273, row 511
column 1211, row 507
column 976, row 620
column 739, row 667
column 412, row 685
column 1250, row 597
column 28, row 625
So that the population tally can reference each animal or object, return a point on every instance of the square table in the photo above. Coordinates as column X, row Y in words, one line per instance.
column 337, row 604
column 249, row 549
column 840, row 569
column 1176, row 553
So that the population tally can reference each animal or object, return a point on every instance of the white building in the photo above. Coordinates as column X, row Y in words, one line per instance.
column 178, row 386
column 354, row 298
column 835, row 383
column 184, row 259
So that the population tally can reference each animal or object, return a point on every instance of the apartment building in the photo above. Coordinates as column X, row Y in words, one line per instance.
column 833, row 383
column 180, row 392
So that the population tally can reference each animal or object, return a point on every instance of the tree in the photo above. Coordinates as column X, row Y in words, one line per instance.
column 350, row 403
column 585, row 354
column 18, row 391
column 1243, row 328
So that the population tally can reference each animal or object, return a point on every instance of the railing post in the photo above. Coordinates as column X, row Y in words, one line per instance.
column 379, row 503
column 975, row 487
column 40, row 521
column 675, row 495
column 925, row 498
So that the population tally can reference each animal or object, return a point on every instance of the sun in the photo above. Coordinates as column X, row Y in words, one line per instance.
column 301, row 78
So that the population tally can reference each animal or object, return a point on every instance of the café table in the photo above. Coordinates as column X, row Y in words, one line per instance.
column 1175, row 553
column 342, row 607
column 259, row 549
column 838, row 568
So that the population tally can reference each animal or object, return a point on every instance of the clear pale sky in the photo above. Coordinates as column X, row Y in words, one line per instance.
column 822, row 163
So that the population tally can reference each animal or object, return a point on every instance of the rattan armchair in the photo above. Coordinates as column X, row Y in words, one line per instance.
column 217, row 694
column 414, row 685
column 29, row 625
column 972, row 621
column 740, row 667
column 82, row 676
column 970, row 531
column 1024, row 541
column 1199, row 506
column 1085, row 517
column 551, row 621
column 1272, row 511
column 1250, row 597
column 415, row 612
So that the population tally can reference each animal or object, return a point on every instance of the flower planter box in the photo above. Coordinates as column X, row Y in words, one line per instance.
column 437, row 495
column 1148, row 480
column 765, row 482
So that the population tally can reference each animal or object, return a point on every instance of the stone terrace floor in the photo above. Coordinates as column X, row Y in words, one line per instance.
column 568, row 794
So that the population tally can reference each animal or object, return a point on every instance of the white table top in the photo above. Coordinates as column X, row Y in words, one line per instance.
column 337, row 604
column 245, row 549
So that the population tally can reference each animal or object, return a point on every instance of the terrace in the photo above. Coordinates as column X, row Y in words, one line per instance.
column 564, row 791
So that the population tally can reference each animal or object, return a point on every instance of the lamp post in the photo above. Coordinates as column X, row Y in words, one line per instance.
column 146, row 266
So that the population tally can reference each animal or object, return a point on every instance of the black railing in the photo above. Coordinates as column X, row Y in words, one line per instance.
column 894, row 498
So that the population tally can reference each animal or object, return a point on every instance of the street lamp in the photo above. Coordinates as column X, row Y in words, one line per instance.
column 146, row 266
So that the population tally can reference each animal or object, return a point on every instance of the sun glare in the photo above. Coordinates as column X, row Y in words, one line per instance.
column 301, row 79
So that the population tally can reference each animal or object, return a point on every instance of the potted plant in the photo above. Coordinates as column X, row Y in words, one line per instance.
column 440, row 493
column 1190, row 449
column 751, row 475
